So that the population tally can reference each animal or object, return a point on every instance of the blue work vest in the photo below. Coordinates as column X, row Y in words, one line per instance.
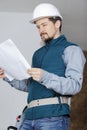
column 49, row 58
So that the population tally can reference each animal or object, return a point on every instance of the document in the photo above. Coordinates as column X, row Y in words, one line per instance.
column 12, row 61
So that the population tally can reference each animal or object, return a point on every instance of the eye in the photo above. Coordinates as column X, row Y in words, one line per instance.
column 38, row 27
column 44, row 25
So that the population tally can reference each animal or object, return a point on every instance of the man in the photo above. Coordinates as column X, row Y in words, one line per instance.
column 57, row 74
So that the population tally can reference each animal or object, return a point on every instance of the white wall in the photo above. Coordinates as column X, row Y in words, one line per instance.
column 17, row 27
column 75, row 21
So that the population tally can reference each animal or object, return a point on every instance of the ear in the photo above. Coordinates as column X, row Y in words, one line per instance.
column 57, row 24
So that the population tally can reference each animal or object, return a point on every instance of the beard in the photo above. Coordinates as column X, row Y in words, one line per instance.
column 46, row 39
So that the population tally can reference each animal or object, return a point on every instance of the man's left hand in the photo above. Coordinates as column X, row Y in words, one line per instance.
column 36, row 73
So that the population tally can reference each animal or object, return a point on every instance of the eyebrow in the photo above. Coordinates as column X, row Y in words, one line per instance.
column 42, row 24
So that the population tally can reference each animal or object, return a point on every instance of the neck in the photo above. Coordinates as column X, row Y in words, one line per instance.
column 57, row 35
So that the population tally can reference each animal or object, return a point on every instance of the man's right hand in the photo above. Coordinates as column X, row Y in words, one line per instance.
column 2, row 75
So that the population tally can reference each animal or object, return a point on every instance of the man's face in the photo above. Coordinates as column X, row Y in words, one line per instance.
column 47, row 29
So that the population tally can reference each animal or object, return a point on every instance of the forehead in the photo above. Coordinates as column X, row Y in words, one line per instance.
column 42, row 21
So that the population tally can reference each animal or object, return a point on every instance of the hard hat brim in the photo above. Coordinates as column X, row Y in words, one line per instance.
column 36, row 19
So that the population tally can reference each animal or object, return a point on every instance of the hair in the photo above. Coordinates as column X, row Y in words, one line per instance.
column 54, row 19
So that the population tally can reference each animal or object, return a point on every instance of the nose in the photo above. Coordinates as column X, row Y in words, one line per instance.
column 41, row 30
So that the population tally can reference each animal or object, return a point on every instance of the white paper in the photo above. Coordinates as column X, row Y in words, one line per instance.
column 12, row 61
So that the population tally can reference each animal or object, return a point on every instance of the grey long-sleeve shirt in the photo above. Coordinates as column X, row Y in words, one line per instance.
column 70, row 84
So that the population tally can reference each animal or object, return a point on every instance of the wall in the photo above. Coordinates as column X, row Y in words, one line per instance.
column 75, row 21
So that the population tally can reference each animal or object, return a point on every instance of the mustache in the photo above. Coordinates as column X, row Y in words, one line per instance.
column 42, row 34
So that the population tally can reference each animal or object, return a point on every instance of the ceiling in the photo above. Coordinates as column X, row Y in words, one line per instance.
column 22, row 5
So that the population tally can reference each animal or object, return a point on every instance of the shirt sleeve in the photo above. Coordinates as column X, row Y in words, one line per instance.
column 72, row 82
column 21, row 85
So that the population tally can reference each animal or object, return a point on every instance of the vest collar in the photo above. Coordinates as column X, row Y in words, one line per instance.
column 56, row 41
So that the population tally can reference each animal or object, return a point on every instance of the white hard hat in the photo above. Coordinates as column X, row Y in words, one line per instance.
column 45, row 10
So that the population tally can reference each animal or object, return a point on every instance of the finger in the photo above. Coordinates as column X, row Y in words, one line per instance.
column 33, row 71
column 1, row 71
